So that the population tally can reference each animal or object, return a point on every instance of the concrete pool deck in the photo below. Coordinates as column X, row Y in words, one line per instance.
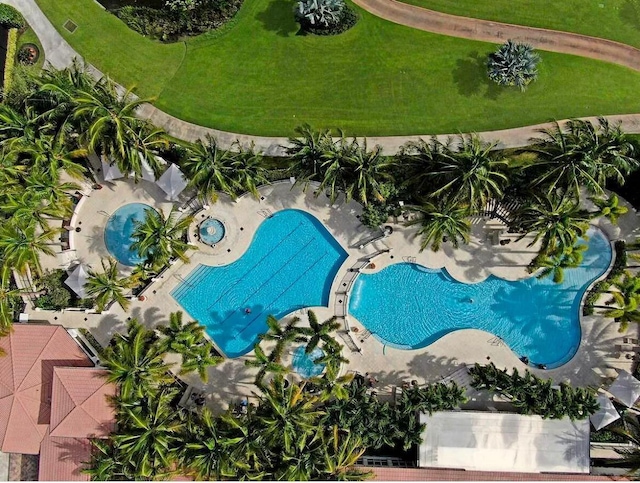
column 595, row 359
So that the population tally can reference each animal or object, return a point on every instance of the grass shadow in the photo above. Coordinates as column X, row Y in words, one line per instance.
column 470, row 76
column 278, row 17
column 630, row 13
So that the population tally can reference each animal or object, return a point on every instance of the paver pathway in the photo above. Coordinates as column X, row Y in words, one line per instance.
column 60, row 54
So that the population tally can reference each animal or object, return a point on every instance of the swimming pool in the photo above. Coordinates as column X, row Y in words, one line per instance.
column 409, row 306
column 120, row 227
column 304, row 364
column 290, row 264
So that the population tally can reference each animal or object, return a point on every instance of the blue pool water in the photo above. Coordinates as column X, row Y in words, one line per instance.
column 409, row 306
column 303, row 363
column 290, row 264
column 120, row 227
column 211, row 231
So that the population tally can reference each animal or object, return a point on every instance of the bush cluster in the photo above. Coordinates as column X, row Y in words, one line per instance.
column 171, row 24
column 10, row 18
column 347, row 19
column 533, row 395
column 10, row 62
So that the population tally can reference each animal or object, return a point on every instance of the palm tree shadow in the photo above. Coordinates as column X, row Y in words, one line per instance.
column 470, row 75
column 278, row 18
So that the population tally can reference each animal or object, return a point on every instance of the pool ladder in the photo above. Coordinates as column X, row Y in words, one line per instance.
column 266, row 213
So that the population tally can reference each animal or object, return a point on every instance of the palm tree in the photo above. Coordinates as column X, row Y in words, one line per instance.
column 107, row 286
column 307, row 152
column 631, row 455
column 337, row 170
column 283, row 336
column 21, row 245
column 113, row 130
column 556, row 264
column 627, row 310
column 471, row 175
column 135, row 362
column 368, row 174
column 582, row 154
column 27, row 207
column 106, row 462
column 265, row 364
column 49, row 154
column 18, row 127
column 210, row 169
column 151, row 436
column 159, row 238
column 558, row 222
column 446, row 221
column 341, row 453
column 288, row 414
column 7, row 297
column 513, row 64
column 319, row 331
column 609, row 208
column 188, row 340
column 419, row 159
column 249, row 171
column 205, row 448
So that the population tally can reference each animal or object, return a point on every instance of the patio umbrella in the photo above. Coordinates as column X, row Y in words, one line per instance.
column 606, row 415
column 625, row 388
column 110, row 171
column 172, row 182
column 76, row 280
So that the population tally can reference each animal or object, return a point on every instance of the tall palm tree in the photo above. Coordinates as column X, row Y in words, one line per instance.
column 265, row 364
column 307, row 152
column 27, row 207
column 557, row 221
column 581, row 154
column 341, row 453
column 556, row 264
column 472, row 175
column 151, row 436
column 7, row 297
column 22, row 245
column 107, row 286
column 419, row 159
column 288, row 414
column 626, row 309
column 113, row 130
column 189, row 341
column 318, row 332
column 609, row 207
column 20, row 127
column 210, row 169
column 446, row 221
column 135, row 362
column 49, row 154
column 283, row 336
column 159, row 238
column 337, row 169
column 106, row 462
column 368, row 175
column 249, row 171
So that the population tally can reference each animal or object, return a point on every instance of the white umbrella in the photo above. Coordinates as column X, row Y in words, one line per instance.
column 606, row 415
column 625, row 388
column 172, row 182
column 76, row 280
column 147, row 172
column 110, row 171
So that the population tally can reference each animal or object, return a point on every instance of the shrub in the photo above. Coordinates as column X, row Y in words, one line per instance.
column 374, row 215
column 324, row 17
column 513, row 64
column 57, row 296
column 10, row 18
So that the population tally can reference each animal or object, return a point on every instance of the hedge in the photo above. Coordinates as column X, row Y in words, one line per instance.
column 10, row 18
column 10, row 62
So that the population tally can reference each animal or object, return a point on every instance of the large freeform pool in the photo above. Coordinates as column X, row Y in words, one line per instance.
column 290, row 264
column 409, row 306
column 120, row 227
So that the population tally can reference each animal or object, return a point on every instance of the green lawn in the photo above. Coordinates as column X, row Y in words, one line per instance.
column 259, row 77
column 609, row 19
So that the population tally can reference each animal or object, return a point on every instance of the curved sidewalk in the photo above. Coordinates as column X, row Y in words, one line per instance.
column 60, row 54
column 497, row 32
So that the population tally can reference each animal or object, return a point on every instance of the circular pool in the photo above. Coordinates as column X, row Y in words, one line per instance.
column 304, row 364
column 211, row 231
column 120, row 227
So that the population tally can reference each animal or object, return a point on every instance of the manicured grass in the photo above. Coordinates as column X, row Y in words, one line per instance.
column 259, row 77
column 103, row 40
column 609, row 19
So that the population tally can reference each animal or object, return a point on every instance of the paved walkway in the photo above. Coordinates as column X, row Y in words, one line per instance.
column 60, row 54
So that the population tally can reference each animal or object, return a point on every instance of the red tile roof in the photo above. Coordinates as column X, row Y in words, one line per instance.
column 79, row 405
column 26, row 374
column 62, row 459
column 432, row 474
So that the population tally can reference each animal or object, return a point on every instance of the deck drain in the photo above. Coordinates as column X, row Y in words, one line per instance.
column 70, row 26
